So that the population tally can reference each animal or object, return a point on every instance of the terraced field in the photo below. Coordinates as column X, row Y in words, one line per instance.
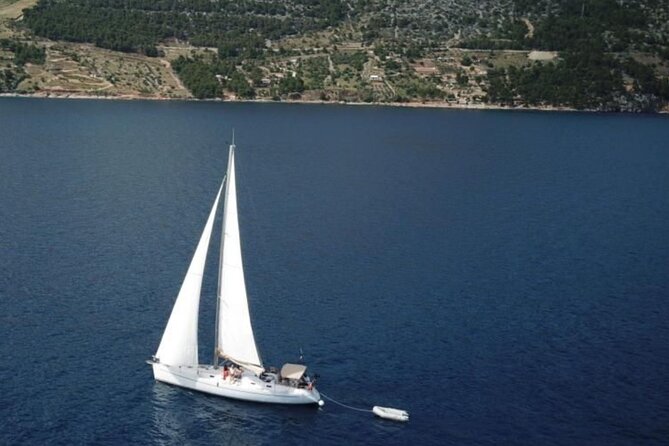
column 79, row 69
column 83, row 69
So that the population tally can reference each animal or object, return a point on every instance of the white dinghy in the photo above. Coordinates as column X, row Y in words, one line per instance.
column 390, row 413
column 237, row 370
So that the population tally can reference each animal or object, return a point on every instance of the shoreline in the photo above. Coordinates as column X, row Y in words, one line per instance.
column 414, row 104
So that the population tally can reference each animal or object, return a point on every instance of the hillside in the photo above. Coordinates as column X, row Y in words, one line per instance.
column 608, row 55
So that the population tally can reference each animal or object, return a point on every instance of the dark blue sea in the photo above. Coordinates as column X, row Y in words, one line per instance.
column 502, row 276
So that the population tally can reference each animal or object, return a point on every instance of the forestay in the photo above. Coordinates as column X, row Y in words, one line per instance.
column 235, row 334
column 178, row 345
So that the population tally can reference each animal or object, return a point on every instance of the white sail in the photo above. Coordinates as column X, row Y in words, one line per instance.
column 179, row 343
column 235, row 335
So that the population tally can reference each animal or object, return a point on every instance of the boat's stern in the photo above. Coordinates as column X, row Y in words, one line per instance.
column 315, row 396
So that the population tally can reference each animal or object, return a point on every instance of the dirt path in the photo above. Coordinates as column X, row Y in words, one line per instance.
column 168, row 66
column 530, row 28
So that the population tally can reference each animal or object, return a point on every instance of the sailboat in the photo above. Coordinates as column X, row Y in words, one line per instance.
column 236, row 370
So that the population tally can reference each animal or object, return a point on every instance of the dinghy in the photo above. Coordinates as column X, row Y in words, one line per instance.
column 390, row 413
column 236, row 370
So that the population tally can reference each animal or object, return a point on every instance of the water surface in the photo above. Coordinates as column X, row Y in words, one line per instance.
column 502, row 276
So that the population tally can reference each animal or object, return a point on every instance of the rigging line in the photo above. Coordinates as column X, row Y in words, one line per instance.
column 344, row 405
column 244, row 188
column 260, row 236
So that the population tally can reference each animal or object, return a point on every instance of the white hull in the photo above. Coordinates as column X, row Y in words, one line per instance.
column 206, row 378
column 390, row 413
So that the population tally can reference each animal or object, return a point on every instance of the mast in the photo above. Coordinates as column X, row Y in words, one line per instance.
column 218, row 295
column 220, row 254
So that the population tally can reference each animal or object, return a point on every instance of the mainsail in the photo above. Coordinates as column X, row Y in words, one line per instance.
column 179, row 343
column 235, row 339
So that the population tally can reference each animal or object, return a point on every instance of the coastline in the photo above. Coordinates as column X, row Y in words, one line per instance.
column 414, row 104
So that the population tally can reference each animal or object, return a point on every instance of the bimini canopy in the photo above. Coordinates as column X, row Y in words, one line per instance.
column 293, row 371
